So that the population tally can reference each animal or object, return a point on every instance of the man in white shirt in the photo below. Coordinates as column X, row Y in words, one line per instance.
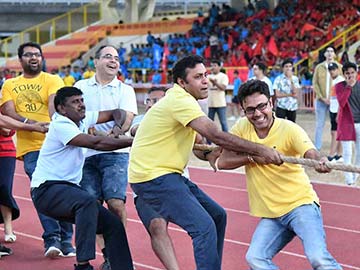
column 105, row 173
column 218, row 82
column 55, row 188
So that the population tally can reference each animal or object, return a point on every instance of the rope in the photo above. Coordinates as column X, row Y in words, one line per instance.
column 303, row 161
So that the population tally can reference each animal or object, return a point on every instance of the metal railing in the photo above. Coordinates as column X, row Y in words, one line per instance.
column 53, row 29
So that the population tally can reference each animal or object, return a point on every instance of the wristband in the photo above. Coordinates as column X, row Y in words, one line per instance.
column 25, row 120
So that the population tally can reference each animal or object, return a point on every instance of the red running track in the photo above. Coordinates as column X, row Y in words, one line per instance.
column 340, row 206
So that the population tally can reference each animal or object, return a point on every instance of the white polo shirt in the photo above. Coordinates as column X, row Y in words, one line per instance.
column 57, row 160
column 114, row 95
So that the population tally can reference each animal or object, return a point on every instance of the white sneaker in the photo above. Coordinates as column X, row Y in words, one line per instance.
column 10, row 238
column 52, row 252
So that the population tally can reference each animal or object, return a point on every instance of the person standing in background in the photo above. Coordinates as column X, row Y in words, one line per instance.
column 286, row 87
column 322, row 84
column 235, row 104
column 29, row 98
column 335, row 146
column 218, row 82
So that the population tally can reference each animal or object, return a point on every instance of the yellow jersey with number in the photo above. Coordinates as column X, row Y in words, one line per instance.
column 31, row 97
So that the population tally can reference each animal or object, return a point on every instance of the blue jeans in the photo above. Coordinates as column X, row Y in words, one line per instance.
column 273, row 234
column 105, row 176
column 221, row 112
column 321, row 110
column 54, row 231
column 180, row 201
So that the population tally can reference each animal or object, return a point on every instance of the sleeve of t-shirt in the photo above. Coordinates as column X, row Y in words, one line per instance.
column 299, row 140
column 55, row 84
column 186, row 109
column 5, row 93
column 128, row 102
column 65, row 130
column 225, row 80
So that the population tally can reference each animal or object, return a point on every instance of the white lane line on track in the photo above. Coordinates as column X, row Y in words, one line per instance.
column 234, row 211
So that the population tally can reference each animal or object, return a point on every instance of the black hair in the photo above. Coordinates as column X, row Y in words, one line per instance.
column 98, row 51
column 287, row 61
column 190, row 61
column 251, row 87
column 216, row 61
column 261, row 66
column 28, row 44
column 157, row 88
column 348, row 65
column 64, row 93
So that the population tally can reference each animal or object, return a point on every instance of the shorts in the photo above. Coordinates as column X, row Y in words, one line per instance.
column 105, row 176
column 333, row 122
column 146, row 212
column 235, row 100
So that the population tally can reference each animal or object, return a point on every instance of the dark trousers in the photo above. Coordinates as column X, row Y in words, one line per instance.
column 286, row 114
column 68, row 202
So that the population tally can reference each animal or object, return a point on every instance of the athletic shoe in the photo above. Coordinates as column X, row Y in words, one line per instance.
column 67, row 250
column 83, row 267
column 4, row 251
column 105, row 265
column 10, row 238
column 53, row 250
column 339, row 158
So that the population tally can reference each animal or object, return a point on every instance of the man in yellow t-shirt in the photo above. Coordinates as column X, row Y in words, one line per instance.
column 29, row 98
column 217, row 96
column 281, row 196
column 161, row 150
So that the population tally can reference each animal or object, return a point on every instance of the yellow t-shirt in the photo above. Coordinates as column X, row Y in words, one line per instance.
column 88, row 74
column 163, row 142
column 216, row 97
column 31, row 97
column 276, row 190
column 69, row 80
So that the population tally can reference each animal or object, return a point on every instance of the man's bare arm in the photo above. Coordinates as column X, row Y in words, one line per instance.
column 207, row 128
column 103, row 143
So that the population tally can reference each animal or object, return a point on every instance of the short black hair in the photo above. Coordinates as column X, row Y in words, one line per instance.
column 157, row 88
column 251, row 87
column 216, row 61
column 190, row 61
column 261, row 66
column 64, row 93
column 287, row 61
column 98, row 51
column 28, row 44
column 348, row 65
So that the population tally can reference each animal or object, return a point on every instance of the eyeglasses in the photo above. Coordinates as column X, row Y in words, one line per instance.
column 150, row 101
column 261, row 107
column 30, row 55
column 109, row 56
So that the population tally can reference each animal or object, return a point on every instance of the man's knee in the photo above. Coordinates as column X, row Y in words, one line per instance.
column 116, row 205
column 158, row 227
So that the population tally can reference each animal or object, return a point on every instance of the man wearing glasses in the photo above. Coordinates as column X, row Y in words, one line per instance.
column 281, row 196
column 29, row 98
column 105, row 173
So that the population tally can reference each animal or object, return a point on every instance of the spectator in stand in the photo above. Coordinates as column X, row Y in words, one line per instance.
column 62, row 72
column 76, row 73
column 156, row 78
column 348, row 129
column 322, row 84
column 2, row 78
column 235, row 104
column 218, row 82
column 68, row 79
column 129, row 79
column 335, row 146
column 89, row 72
column 286, row 87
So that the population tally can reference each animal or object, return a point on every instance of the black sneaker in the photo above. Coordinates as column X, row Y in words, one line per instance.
column 105, row 265
column 83, row 267
column 4, row 251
